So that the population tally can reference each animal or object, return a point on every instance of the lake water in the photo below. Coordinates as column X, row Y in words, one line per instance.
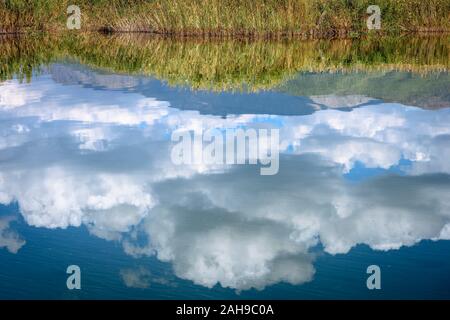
column 87, row 176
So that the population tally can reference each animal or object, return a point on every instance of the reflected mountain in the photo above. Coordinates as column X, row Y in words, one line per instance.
column 426, row 91
column 206, row 102
column 305, row 94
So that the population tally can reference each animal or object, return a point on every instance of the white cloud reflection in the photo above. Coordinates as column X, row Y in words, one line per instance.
column 142, row 278
column 9, row 238
column 72, row 155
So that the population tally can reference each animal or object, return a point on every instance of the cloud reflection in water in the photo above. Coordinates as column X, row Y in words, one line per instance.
column 71, row 155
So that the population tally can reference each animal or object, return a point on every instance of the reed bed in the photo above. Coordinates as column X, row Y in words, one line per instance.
column 228, row 18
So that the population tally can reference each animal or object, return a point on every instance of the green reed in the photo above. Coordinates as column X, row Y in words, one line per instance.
column 249, row 18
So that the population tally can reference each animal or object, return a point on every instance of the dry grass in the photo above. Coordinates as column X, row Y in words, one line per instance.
column 248, row 18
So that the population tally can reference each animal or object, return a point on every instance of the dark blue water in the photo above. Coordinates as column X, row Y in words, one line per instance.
column 87, row 179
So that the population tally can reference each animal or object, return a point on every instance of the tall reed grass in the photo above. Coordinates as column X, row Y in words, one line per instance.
column 248, row 18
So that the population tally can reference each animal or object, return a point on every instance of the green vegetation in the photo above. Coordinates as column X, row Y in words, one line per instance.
column 248, row 18
column 20, row 57
column 223, row 65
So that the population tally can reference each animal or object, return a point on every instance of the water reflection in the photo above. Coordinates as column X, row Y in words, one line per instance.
column 75, row 155
column 223, row 65
column 9, row 238
column 304, row 94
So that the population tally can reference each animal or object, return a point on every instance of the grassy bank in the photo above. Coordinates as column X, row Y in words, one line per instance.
column 268, row 18
column 250, row 65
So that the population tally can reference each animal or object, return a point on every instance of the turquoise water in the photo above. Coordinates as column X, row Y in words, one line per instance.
column 87, row 179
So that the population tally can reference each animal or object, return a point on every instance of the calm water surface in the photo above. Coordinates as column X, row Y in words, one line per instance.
column 86, row 178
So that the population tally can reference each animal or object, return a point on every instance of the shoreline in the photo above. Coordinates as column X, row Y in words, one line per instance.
column 311, row 35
